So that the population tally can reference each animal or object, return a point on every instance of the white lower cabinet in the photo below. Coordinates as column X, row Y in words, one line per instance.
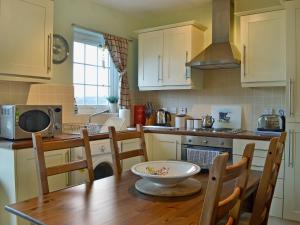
column 292, row 170
column 165, row 147
column 258, row 162
column 21, row 182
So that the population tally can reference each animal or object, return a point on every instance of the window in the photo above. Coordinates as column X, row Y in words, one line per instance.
column 94, row 74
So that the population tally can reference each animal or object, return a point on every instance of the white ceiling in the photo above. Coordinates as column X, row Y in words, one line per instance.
column 151, row 6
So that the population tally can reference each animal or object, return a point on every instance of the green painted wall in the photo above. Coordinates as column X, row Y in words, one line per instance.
column 204, row 15
column 97, row 17
column 93, row 16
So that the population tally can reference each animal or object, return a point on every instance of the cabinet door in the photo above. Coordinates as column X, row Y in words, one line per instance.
column 263, row 44
column 150, row 59
column 293, row 60
column 26, row 37
column 129, row 145
column 177, row 51
column 292, row 168
column 27, row 179
column 164, row 146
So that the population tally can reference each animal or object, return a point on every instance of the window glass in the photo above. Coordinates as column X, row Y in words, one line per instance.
column 94, row 74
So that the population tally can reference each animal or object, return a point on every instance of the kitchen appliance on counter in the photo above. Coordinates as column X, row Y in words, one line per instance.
column 163, row 118
column 180, row 121
column 20, row 121
column 203, row 150
column 271, row 122
column 207, row 121
column 139, row 115
column 197, row 124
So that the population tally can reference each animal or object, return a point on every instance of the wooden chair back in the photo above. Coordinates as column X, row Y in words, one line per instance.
column 265, row 192
column 41, row 146
column 121, row 136
column 214, row 209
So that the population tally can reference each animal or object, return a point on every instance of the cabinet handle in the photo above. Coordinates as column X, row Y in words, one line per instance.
column 176, row 150
column 290, row 86
column 244, row 58
column 186, row 68
column 291, row 147
column 49, row 55
column 158, row 67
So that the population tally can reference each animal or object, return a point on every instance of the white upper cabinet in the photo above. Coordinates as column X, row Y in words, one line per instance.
column 26, row 38
column 163, row 53
column 263, row 46
column 150, row 59
column 293, row 60
column 177, row 52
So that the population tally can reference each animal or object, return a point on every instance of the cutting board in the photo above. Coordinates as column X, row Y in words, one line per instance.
column 227, row 116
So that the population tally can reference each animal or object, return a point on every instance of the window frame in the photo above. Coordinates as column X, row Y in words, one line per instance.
column 92, row 38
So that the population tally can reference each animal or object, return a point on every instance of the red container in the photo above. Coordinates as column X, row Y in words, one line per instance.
column 139, row 115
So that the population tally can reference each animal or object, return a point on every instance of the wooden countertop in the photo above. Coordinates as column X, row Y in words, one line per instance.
column 21, row 144
column 242, row 135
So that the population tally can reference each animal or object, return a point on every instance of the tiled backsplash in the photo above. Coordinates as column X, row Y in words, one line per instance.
column 220, row 87
column 52, row 94
column 13, row 92
column 55, row 94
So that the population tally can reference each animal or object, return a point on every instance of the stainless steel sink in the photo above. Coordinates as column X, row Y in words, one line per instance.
column 75, row 128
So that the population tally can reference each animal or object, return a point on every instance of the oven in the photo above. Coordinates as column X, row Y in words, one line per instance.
column 203, row 150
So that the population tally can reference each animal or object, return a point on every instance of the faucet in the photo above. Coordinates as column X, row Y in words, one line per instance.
column 96, row 114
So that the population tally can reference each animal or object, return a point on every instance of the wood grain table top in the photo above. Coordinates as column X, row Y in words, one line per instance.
column 114, row 201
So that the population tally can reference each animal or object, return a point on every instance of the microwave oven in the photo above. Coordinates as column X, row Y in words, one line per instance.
column 20, row 121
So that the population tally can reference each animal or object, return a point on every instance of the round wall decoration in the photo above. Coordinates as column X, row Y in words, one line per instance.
column 60, row 49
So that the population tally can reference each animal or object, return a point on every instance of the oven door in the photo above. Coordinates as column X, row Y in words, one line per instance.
column 32, row 120
column 202, row 155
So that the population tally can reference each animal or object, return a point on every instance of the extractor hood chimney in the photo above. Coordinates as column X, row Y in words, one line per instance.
column 221, row 54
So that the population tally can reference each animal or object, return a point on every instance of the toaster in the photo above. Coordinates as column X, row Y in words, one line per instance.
column 271, row 122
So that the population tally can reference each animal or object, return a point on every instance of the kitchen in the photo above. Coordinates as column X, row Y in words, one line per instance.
column 54, row 86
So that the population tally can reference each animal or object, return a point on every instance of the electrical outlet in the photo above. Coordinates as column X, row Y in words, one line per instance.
column 182, row 110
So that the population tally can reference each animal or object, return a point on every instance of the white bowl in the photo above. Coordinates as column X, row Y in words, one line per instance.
column 165, row 173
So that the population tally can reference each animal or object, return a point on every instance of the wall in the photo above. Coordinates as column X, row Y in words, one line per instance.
column 220, row 87
column 13, row 92
column 91, row 15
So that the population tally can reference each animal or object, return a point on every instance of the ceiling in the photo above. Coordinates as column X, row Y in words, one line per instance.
column 151, row 6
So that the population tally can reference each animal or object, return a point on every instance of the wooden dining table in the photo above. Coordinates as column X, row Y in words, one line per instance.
column 115, row 201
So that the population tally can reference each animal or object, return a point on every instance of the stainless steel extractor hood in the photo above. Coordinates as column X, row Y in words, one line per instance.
column 221, row 54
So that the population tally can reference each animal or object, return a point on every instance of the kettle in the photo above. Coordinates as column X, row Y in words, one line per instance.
column 207, row 121
column 163, row 117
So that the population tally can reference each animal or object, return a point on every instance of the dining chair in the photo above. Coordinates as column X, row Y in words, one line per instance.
column 266, row 187
column 214, row 208
column 117, row 155
column 41, row 147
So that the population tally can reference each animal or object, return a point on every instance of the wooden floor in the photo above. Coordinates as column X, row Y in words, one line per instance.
column 276, row 221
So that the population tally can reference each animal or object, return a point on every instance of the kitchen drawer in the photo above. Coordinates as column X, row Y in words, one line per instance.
column 239, row 145
column 258, row 164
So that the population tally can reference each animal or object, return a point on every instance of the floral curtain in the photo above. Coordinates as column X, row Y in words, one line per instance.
column 118, row 48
